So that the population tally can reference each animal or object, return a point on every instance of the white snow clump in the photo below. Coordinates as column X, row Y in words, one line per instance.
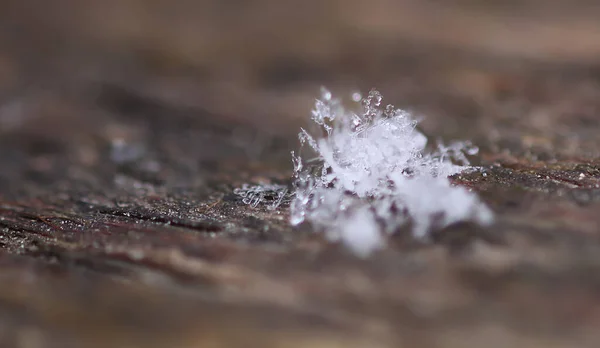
column 367, row 174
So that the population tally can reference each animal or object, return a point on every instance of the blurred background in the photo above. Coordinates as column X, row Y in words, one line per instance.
column 265, row 59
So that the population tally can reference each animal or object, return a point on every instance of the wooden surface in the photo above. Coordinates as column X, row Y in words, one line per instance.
column 126, row 125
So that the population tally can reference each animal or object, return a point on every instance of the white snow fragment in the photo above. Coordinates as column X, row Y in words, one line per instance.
column 360, row 232
column 435, row 203
column 370, row 173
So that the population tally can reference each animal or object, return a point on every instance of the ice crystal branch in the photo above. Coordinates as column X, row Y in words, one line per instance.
column 272, row 195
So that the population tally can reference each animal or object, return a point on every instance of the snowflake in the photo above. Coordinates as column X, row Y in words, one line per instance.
column 273, row 195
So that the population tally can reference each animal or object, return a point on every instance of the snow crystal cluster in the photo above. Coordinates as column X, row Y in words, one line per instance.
column 360, row 176
column 365, row 174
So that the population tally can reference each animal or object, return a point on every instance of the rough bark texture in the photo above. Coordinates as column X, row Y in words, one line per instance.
column 126, row 125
